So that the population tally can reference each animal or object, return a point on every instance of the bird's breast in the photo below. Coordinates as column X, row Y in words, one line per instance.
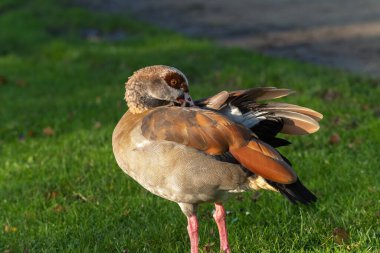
column 174, row 171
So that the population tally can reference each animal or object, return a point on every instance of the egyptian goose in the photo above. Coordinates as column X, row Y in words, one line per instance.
column 192, row 152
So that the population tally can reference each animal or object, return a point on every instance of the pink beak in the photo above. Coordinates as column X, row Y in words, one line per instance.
column 188, row 99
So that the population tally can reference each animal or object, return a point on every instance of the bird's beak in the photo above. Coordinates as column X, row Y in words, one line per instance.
column 188, row 99
column 185, row 100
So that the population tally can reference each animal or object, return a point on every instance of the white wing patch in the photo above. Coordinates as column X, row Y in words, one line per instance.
column 235, row 111
column 248, row 119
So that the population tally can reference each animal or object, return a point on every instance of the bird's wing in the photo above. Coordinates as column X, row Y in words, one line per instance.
column 214, row 134
column 264, row 119
column 221, row 99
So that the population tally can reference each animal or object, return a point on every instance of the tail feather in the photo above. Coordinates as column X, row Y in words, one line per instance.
column 293, row 108
column 295, row 192
column 297, row 123
column 258, row 94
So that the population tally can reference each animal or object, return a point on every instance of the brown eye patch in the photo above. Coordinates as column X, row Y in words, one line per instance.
column 174, row 80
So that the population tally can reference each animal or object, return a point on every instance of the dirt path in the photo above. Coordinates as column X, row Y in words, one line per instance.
column 338, row 33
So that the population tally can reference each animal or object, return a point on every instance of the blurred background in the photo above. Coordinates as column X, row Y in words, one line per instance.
column 340, row 33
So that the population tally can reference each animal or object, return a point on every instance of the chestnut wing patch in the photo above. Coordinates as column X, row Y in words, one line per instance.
column 204, row 130
column 214, row 134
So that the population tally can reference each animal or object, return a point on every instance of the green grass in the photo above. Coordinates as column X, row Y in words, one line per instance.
column 65, row 193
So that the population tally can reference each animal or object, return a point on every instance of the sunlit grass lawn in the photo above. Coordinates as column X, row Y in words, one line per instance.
column 62, row 71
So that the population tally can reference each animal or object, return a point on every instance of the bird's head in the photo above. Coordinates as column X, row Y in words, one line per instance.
column 157, row 85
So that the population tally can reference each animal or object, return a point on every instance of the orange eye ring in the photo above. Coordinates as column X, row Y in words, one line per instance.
column 173, row 82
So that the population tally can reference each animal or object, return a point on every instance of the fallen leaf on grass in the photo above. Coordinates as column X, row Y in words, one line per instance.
column 3, row 80
column 97, row 125
column 376, row 112
column 22, row 136
column 31, row 133
column 98, row 100
column 352, row 246
column 48, row 131
column 354, row 143
column 365, row 106
column 21, row 83
column 353, row 124
column 126, row 212
column 330, row 95
column 340, row 236
column 9, row 229
column 334, row 139
column 79, row 195
column 52, row 195
column 58, row 208
column 336, row 121
column 207, row 247
column 371, row 189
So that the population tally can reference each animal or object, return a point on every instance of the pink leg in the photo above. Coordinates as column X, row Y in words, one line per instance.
column 220, row 219
column 192, row 228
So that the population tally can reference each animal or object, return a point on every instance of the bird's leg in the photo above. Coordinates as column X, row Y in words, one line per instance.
column 220, row 219
column 192, row 228
column 190, row 210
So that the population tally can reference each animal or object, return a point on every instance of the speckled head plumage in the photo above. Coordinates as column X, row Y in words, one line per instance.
column 154, row 86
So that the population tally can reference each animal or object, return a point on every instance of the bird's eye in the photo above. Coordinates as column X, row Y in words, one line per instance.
column 173, row 82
